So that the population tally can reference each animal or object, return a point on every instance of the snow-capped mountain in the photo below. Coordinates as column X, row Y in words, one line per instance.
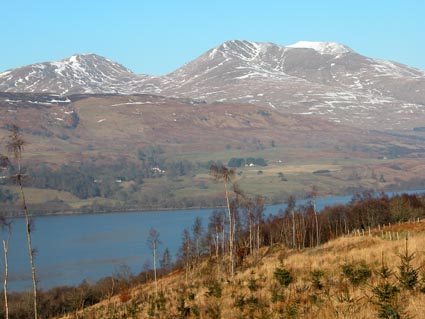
column 326, row 79
column 80, row 73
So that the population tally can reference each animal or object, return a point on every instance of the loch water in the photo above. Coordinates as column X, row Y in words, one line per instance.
column 73, row 248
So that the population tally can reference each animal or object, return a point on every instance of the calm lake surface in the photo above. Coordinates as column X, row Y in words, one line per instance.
column 72, row 248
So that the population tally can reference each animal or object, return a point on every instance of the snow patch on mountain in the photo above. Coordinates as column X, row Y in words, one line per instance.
column 322, row 47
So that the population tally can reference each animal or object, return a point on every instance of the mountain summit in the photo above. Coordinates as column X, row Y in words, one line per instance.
column 322, row 47
column 80, row 73
column 325, row 79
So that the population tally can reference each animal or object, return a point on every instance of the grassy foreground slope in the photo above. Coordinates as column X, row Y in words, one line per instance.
column 370, row 276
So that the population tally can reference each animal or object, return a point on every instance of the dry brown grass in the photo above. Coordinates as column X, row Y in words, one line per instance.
column 38, row 195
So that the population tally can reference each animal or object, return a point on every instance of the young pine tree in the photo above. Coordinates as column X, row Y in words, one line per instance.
column 408, row 275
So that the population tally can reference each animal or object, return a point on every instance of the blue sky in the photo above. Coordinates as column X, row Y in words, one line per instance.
column 157, row 36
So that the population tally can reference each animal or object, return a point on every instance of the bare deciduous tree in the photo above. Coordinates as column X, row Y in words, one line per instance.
column 216, row 227
column 166, row 261
column 291, row 209
column 222, row 173
column 216, row 231
column 6, row 226
column 153, row 242
column 197, row 233
column 313, row 195
column 258, row 218
column 185, row 253
column 15, row 146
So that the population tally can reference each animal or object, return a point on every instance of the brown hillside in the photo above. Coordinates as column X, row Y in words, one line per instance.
column 319, row 289
column 112, row 124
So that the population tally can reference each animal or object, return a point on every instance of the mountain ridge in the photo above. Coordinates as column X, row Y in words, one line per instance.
column 325, row 79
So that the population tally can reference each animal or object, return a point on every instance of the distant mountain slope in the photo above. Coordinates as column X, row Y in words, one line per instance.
column 325, row 79
column 125, row 122
column 78, row 124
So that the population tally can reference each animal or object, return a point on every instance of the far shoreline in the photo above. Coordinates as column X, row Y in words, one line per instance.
column 168, row 209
